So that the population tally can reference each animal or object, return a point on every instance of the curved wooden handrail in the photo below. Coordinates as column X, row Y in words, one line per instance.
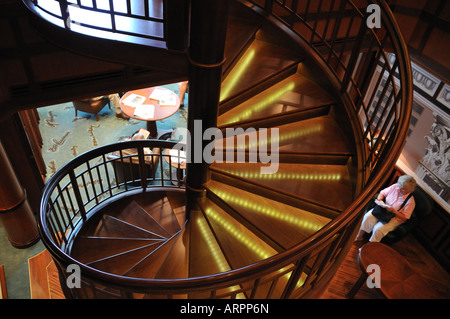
column 333, row 239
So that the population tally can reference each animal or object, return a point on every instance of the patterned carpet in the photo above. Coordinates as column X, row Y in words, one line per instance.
column 66, row 136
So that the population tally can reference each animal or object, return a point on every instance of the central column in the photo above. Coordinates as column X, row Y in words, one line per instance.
column 206, row 55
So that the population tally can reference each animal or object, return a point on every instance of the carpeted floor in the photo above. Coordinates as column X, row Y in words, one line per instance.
column 65, row 137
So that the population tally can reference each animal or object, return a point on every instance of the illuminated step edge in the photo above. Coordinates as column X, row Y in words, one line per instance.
column 255, row 207
column 261, row 105
column 261, row 251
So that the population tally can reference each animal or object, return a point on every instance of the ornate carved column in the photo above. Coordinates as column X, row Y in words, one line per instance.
column 16, row 215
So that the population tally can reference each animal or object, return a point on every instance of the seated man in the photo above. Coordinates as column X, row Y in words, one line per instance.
column 133, row 151
column 128, row 170
column 115, row 100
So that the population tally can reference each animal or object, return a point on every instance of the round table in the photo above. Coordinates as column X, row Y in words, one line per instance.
column 398, row 279
column 137, row 100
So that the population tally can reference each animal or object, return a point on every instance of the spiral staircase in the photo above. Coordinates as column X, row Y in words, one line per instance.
column 250, row 235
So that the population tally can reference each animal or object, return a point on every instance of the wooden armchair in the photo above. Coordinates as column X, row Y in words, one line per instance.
column 90, row 106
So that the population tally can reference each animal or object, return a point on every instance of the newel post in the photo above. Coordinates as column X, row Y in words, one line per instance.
column 206, row 57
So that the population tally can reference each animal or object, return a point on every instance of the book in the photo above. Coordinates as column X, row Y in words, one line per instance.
column 164, row 97
column 145, row 111
column 144, row 132
column 134, row 100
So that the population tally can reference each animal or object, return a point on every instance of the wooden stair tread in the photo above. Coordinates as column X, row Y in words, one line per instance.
column 316, row 135
column 240, row 33
column 149, row 266
column 284, row 224
column 206, row 257
column 177, row 201
column 328, row 185
column 176, row 263
column 120, row 263
column 88, row 249
column 293, row 93
column 319, row 135
column 113, row 227
column 240, row 246
column 260, row 62
column 159, row 207
column 136, row 215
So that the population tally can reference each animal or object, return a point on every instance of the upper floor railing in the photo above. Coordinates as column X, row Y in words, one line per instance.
column 154, row 23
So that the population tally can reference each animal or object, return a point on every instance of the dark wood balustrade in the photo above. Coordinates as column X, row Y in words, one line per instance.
column 349, row 53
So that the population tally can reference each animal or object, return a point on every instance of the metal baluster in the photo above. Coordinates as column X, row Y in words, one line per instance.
column 65, row 13
column 353, row 58
column 61, row 195
column 162, row 168
column 77, row 193
column 108, row 180
column 123, row 170
column 51, row 225
column 255, row 287
column 142, row 168
column 337, row 25
column 92, row 182
column 328, row 22
column 269, row 6
column 111, row 12
column 170, row 168
column 72, row 207
column 102, row 190
column 295, row 276
column 59, row 226
column 313, row 34
column 308, row 3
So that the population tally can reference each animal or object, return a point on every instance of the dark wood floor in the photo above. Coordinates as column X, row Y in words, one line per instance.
column 349, row 272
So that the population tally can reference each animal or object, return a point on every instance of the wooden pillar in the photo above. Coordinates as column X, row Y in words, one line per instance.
column 206, row 56
column 22, row 143
column 16, row 214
